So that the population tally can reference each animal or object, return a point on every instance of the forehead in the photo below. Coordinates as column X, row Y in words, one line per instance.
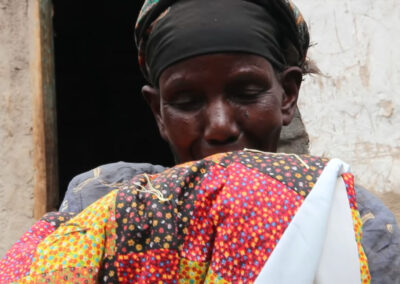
column 216, row 66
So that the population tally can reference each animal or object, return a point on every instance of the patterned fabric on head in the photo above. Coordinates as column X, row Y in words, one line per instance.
column 168, row 31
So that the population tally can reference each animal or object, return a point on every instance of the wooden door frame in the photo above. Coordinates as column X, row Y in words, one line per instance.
column 46, row 192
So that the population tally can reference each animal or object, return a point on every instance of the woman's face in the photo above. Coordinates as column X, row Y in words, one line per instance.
column 222, row 102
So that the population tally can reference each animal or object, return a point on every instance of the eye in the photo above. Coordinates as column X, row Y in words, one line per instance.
column 247, row 94
column 184, row 102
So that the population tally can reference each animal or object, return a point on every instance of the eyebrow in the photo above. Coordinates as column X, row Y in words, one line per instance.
column 179, row 84
column 247, row 73
column 177, row 80
column 181, row 80
column 250, row 68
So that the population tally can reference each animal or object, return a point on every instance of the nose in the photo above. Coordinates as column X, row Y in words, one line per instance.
column 221, row 126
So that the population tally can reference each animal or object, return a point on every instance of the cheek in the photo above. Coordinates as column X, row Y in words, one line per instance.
column 264, row 114
column 261, row 122
column 181, row 128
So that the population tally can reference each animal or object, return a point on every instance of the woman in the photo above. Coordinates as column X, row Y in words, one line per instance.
column 224, row 75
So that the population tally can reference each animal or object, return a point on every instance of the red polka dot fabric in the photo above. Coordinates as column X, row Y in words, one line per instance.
column 18, row 260
column 216, row 220
column 16, row 263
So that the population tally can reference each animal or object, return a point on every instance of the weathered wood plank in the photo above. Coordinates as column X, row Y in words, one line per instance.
column 45, row 127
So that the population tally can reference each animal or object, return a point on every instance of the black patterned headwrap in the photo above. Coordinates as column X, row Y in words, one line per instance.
column 168, row 31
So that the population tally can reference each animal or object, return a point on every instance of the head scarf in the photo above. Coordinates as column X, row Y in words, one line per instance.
column 168, row 31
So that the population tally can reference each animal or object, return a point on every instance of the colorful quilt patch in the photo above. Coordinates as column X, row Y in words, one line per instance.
column 57, row 218
column 78, row 243
column 351, row 194
column 18, row 260
column 214, row 221
column 147, row 221
column 213, row 278
column 297, row 172
column 192, row 272
column 68, row 275
column 153, row 266
column 250, row 216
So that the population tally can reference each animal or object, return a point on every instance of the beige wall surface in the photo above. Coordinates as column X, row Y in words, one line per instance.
column 353, row 111
column 16, row 141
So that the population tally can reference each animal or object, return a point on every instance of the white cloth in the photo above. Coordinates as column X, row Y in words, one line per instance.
column 319, row 244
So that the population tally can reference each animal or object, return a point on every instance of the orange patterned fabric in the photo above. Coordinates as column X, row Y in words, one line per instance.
column 349, row 181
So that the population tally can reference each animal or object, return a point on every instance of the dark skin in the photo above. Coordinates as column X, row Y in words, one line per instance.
column 223, row 102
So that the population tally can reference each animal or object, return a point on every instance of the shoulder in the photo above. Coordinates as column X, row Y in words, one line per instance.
column 89, row 186
column 381, row 237
column 372, row 208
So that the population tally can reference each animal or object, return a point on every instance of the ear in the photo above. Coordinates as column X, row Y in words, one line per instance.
column 291, row 80
column 152, row 97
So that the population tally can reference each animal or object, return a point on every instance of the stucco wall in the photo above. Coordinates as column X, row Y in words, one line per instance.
column 352, row 112
column 16, row 141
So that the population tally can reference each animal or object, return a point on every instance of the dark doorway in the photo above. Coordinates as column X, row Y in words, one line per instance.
column 102, row 117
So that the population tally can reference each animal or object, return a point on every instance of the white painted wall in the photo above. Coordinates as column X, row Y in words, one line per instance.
column 353, row 111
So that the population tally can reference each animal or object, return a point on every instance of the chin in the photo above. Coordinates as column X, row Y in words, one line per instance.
column 215, row 150
column 203, row 153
